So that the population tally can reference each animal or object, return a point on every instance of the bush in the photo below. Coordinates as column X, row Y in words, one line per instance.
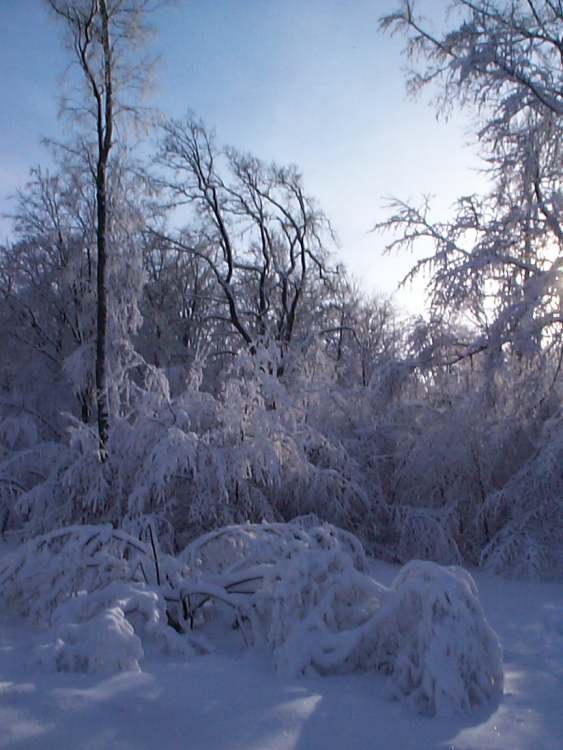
column 433, row 640
column 300, row 589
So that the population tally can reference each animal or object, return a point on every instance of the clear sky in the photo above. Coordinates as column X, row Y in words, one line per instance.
column 310, row 82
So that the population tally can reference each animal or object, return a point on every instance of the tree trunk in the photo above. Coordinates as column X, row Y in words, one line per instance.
column 105, row 133
column 101, row 312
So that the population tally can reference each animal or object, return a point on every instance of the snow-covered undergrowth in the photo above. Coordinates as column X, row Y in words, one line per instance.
column 105, row 642
column 299, row 590
column 435, row 641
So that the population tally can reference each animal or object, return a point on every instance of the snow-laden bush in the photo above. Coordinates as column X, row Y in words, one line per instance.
column 526, row 515
column 103, row 630
column 433, row 640
column 299, row 590
column 317, row 610
column 104, row 643
column 102, row 592
column 43, row 573
column 427, row 633
column 231, row 548
column 238, row 565
column 317, row 604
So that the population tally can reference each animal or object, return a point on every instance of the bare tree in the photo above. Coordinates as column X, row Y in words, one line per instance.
column 255, row 228
column 180, row 295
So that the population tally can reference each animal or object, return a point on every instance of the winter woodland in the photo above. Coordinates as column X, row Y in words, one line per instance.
column 205, row 426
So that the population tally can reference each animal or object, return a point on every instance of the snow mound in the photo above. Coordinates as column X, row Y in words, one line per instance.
column 103, row 630
column 93, row 586
column 105, row 643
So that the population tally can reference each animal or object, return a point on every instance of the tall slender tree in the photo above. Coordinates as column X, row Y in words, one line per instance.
column 103, row 36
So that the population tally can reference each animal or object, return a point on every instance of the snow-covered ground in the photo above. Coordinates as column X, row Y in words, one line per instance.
column 235, row 701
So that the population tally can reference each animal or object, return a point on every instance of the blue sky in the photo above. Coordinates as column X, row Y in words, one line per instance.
column 311, row 82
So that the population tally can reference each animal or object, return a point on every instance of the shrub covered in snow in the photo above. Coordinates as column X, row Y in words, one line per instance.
column 46, row 571
column 317, row 610
column 97, row 588
column 104, row 643
column 427, row 633
column 433, row 640
column 318, row 602
column 232, row 548
column 300, row 590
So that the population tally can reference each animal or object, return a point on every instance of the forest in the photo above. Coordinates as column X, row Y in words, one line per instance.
column 190, row 380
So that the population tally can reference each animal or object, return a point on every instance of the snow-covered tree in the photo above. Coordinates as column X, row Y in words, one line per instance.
column 490, row 354
column 499, row 260
column 103, row 36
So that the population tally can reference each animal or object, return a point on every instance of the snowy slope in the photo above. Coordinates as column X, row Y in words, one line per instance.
column 234, row 701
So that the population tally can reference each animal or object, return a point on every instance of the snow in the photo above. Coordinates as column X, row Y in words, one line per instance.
column 234, row 700
column 299, row 590
column 105, row 643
